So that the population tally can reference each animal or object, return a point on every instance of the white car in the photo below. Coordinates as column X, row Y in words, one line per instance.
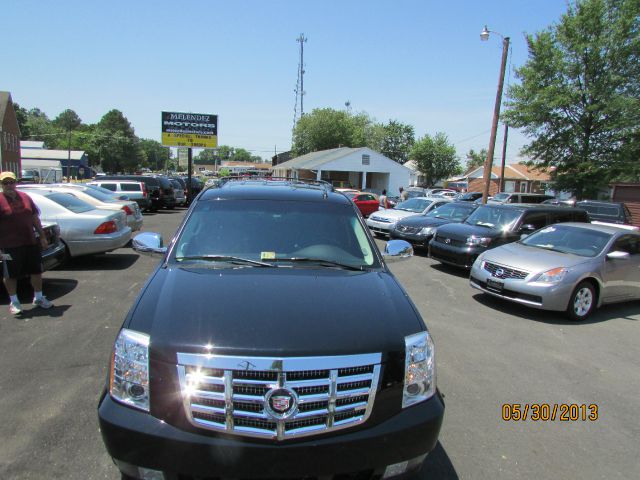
column 383, row 221
column 96, row 198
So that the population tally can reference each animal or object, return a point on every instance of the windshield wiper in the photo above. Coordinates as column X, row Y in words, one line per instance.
column 320, row 261
column 226, row 258
column 483, row 224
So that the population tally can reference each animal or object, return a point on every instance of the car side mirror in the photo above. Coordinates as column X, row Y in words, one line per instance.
column 149, row 243
column 396, row 250
column 618, row 255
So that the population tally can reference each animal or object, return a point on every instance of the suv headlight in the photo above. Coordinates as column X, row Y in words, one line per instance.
column 482, row 241
column 419, row 369
column 428, row 231
column 129, row 375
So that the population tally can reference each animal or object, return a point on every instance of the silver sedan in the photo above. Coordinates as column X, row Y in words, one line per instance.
column 83, row 229
column 572, row 267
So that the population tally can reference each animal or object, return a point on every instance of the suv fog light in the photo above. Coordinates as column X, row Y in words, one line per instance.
column 403, row 467
column 419, row 369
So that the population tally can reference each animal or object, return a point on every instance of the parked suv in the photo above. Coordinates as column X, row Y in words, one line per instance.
column 136, row 191
column 160, row 192
column 245, row 355
column 515, row 197
column 609, row 212
column 489, row 226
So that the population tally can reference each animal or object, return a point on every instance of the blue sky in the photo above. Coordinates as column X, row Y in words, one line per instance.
column 418, row 62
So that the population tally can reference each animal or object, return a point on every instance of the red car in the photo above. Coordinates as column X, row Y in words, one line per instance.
column 366, row 202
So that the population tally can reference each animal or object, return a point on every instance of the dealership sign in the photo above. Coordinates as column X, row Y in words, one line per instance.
column 192, row 130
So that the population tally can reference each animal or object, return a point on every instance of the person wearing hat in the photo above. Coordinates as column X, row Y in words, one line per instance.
column 20, row 249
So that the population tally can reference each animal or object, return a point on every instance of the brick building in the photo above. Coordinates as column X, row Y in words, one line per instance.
column 9, row 136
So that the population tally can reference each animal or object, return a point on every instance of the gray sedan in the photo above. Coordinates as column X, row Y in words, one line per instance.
column 83, row 229
column 572, row 267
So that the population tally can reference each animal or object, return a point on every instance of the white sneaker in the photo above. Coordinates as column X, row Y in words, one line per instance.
column 42, row 303
column 15, row 308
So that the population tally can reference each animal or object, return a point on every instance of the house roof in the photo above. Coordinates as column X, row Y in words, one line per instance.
column 5, row 98
column 51, row 154
column 31, row 144
column 513, row 171
column 312, row 160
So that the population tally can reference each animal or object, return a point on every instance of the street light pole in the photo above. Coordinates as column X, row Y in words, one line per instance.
column 488, row 164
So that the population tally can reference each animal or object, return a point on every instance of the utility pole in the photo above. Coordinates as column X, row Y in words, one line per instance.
column 302, row 41
column 69, row 155
column 504, row 156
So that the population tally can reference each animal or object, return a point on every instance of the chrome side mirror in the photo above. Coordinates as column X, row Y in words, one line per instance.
column 397, row 250
column 618, row 255
column 149, row 243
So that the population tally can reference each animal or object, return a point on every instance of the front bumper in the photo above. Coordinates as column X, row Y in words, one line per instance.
column 452, row 255
column 136, row 438
column 53, row 256
column 412, row 238
column 532, row 294
column 380, row 227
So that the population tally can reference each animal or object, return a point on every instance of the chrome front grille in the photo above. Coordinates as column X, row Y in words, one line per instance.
column 450, row 241
column 500, row 271
column 278, row 398
column 407, row 229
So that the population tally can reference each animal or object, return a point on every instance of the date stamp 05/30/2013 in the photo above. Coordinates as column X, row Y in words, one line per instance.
column 550, row 412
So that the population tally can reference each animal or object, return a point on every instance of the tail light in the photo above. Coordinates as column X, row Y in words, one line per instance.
column 144, row 190
column 106, row 227
column 127, row 210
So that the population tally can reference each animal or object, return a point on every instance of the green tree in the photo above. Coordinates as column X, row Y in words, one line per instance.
column 67, row 120
column 397, row 141
column 476, row 159
column 241, row 155
column 578, row 99
column 323, row 129
column 21, row 116
column 435, row 157
column 39, row 127
column 116, row 145
column 154, row 154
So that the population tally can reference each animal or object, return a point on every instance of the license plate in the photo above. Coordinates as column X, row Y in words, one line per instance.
column 495, row 285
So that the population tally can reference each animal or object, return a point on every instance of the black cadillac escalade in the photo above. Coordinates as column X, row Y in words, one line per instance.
column 271, row 341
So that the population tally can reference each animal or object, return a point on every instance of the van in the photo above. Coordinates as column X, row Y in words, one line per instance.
column 159, row 189
column 516, row 197
column 136, row 191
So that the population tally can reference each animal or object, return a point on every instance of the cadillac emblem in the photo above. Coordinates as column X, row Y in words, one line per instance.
column 281, row 403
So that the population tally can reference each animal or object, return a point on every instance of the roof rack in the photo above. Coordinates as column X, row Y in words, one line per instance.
column 300, row 181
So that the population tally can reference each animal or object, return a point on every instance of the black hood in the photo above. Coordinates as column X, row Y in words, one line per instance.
column 460, row 231
column 273, row 312
column 423, row 221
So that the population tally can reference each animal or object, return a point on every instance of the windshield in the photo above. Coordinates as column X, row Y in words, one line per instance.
column 501, row 196
column 494, row 217
column 451, row 211
column 69, row 202
column 415, row 193
column 99, row 193
column 568, row 239
column 274, row 231
column 415, row 205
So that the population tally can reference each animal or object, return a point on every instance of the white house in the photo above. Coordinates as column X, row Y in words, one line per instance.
column 360, row 168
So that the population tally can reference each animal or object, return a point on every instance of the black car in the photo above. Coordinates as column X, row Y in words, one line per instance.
column 608, row 212
column 245, row 355
column 195, row 188
column 490, row 226
column 419, row 229
column 159, row 189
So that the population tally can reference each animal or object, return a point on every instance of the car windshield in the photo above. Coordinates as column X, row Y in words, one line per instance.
column 69, row 202
column 415, row 193
column 492, row 217
column 501, row 196
column 569, row 239
column 283, row 233
column 451, row 211
column 98, row 195
column 415, row 205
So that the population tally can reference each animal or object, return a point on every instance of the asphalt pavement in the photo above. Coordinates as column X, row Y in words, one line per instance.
column 489, row 353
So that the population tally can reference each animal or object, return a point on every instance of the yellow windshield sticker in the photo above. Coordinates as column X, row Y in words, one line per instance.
column 267, row 255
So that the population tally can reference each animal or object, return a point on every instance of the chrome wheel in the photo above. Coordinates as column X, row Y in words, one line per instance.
column 582, row 301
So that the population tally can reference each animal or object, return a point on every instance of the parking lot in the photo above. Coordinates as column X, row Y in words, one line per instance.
column 489, row 353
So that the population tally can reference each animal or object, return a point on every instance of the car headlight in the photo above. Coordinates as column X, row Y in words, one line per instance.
column 419, row 369
column 555, row 275
column 129, row 375
column 427, row 231
column 482, row 241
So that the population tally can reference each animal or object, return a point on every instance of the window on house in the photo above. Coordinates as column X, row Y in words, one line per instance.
column 366, row 159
